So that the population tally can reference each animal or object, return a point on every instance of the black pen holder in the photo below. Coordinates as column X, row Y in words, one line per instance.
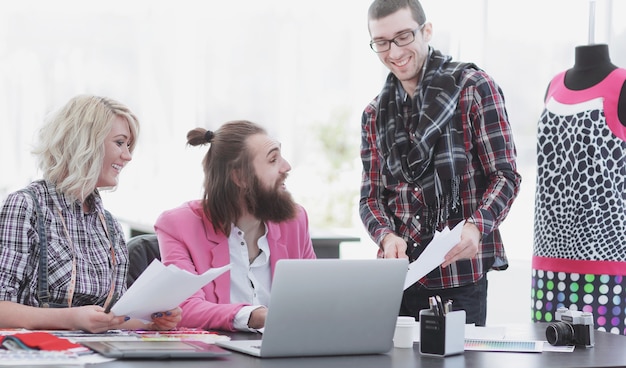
column 442, row 335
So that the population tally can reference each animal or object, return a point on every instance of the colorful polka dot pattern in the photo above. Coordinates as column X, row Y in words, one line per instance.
column 602, row 295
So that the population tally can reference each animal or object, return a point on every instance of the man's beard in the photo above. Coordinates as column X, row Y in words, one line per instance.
column 273, row 204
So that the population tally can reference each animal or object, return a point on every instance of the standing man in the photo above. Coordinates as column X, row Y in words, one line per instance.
column 437, row 149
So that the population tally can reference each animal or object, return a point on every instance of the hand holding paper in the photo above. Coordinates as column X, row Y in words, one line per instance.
column 434, row 254
column 161, row 288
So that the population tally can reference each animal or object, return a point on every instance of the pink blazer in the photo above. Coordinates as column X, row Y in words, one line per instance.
column 187, row 239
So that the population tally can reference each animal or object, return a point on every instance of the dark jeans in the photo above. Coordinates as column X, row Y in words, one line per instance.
column 472, row 298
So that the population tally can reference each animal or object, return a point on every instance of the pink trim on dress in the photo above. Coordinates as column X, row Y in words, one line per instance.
column 583, row 267
column 608, row 89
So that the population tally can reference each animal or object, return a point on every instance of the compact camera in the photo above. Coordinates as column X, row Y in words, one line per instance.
column 572, row 328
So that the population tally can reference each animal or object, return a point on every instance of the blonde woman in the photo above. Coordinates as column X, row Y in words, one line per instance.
column 63, row 257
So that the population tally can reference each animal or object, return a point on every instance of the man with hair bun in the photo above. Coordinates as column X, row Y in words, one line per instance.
column 246, row 218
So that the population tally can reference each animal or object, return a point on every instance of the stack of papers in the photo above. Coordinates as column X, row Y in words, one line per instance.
column 434, row 254
column 161, row 288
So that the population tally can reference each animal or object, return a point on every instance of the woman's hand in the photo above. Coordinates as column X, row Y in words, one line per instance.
column 161, row 321
column 91, row 318
column 167, row 320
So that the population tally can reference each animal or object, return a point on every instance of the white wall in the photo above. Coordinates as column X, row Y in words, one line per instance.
column 289, row 65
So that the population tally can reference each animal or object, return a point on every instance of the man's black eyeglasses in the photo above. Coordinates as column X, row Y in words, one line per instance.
column 400, row 40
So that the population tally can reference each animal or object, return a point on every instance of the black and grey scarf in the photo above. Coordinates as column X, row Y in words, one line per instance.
column 433, row 156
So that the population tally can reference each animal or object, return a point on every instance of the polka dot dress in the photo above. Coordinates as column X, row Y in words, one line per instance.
column 602, row 295
column 579, row 254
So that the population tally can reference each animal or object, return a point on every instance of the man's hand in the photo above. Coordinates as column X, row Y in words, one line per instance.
column 467, row 247
column 257, row 318
column 392, row 246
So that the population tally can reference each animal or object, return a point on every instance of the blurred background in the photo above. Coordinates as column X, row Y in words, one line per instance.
column 302, row 69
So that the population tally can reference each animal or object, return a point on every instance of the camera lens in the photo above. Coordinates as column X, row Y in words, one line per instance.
column 559, row 333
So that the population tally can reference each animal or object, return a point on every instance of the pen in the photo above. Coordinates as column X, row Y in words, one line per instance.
column 111, row 303
column 440, row 305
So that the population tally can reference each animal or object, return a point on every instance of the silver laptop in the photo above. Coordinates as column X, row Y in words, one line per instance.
column 329, row 307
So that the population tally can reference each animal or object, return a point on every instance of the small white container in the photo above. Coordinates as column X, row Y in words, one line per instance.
column 442, row 335
column 404, row 333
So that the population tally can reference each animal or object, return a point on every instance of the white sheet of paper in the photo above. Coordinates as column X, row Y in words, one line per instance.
column 558, row 349
column 484, row 333
column 161, row 288
column 434, row 253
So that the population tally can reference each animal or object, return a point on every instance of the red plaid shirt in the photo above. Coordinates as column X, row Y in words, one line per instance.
column 489, row 184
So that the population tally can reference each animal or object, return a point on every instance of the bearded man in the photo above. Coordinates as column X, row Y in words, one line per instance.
column 246, row 218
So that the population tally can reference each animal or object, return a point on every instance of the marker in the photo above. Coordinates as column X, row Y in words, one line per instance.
column 111, row 303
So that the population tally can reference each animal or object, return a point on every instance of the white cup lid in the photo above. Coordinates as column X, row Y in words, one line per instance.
column 403, row 320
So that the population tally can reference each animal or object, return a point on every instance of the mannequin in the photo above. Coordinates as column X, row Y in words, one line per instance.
column 579, row 250
column 592, row 64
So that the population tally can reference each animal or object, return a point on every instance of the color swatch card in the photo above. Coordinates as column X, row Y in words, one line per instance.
column 519, row 346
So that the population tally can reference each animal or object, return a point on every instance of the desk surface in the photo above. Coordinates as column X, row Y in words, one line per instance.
column 609, row 351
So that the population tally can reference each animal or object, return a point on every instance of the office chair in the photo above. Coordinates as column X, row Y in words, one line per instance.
column 142, row 250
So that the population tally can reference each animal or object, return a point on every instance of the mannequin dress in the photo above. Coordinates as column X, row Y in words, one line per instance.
column 579, row 253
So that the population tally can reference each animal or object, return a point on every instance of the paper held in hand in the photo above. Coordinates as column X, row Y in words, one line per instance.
column 434, row 254
column 161, row 288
